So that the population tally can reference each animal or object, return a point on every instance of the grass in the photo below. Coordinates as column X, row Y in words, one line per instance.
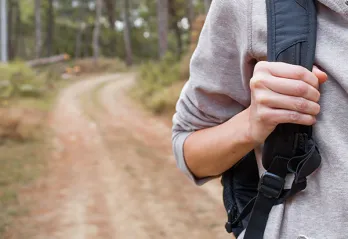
column 24, row 145
column 155, row 85
column 21, row 163
column 91, row 99
column 159, row 83
column 44, row 103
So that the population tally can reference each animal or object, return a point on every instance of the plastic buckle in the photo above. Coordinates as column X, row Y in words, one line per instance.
column 271, row 185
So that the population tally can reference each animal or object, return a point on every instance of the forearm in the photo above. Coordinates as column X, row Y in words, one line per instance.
column 211, row 151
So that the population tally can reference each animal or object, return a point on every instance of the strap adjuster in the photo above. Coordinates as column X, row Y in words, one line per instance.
column 271, row 185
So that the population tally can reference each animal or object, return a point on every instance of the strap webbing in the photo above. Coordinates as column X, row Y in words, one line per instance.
column 290, row 148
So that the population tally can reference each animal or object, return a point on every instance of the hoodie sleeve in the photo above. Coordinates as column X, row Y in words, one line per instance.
column 220, row 70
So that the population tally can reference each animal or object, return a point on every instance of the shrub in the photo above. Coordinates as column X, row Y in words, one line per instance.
column 103, row 65
column 159, row 83
column 17, row 79
column 154, row 81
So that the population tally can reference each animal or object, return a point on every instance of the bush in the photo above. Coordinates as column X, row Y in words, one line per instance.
column 17, row 79
column 154, row 81
column 21, row 123
column 103, row 65
column 159, row 83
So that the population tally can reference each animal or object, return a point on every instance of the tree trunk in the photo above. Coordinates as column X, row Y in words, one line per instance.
column 79, row 41
column 50, row 28
column 17, row 26
column 10, row 29
column 126, row 34
column 175, row 27
column 162, row 18
column 110, row 8
column 3, row 31
column 207, row 5
column 79, row 31
column 38, row 32
column 48, row 60
column 190, row 12
column 96, row 31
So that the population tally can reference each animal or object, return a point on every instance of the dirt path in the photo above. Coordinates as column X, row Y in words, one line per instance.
column 113, row 176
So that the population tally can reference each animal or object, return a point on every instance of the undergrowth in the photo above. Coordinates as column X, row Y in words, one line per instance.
column 159, row 84
column 155, row 84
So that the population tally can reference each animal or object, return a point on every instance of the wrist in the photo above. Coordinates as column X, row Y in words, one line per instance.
column 249, row 135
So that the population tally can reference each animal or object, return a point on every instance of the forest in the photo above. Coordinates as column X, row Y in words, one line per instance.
column 156, row 37
column 132, row 30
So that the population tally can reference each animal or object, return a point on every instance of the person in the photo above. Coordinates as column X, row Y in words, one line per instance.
column 234, row 98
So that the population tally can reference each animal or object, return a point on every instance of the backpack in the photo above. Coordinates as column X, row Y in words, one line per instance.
column 290, row 148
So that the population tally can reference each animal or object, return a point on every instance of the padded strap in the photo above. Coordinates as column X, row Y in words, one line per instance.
column 291, row 39
column 289, row 148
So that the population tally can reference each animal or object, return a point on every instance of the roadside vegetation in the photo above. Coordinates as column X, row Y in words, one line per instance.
column 159, row 82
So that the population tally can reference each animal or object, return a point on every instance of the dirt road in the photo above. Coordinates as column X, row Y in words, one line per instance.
column 112, row 174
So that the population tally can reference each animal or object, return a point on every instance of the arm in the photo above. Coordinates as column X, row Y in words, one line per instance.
column 291, row 98
column 217, row 90
column 211, row 151
column 230, row 105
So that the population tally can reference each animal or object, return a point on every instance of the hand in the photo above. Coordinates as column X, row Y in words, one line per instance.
column 282, row 93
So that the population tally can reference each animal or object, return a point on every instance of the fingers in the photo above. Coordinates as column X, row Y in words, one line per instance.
column 281, row 116
column 292, row 88
column 322, row 76
column 295, row 72
column 279, row 101
column 285, row 93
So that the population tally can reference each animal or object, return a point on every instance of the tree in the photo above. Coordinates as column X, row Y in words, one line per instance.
column 110, row 10
column 38, row 31
column 50, row 28
column 126, row 34
column 96, row 32
column 207, row 5
column 190, row 12
column 3, row 31
column 174, row 18
column 81, row 26
column 162, row 22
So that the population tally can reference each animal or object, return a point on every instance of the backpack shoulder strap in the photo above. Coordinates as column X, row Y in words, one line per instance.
column 292, row 27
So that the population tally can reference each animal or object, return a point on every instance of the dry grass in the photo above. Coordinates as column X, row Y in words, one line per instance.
column 23, row 147
column 103, row 65
column 21, row 163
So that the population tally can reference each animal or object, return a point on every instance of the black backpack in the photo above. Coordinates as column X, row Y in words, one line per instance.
column 290, row 149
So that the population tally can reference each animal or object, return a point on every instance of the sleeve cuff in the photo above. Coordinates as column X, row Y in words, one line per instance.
column 178, row 149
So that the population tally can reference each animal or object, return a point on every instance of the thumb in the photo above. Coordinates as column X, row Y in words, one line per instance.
column 322, row 76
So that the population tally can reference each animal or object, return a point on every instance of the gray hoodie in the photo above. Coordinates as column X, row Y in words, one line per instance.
column 233, row 39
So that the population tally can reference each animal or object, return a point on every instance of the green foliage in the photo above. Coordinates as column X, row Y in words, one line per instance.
column 103, row 65
column 159, row 83
column 20, row 80
column 153, row 82
column 67, row 19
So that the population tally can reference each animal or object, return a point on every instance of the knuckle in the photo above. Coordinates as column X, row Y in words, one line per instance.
column 301, row 88
column 300, row 72
column 301, row 104
column 317, row 96
column 317, row 109
column 294, row 116
column 257, row 81
column 260, row 99
column 263, row 115
column 261, row 66
column 267, row 117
